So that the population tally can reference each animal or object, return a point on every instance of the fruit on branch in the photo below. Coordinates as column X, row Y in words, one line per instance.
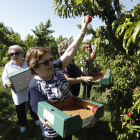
column 128, row 67
column 88, row 17
column 134, row 89
column 129, row 114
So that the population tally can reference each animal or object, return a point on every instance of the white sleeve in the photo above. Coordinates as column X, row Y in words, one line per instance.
column 5, row 78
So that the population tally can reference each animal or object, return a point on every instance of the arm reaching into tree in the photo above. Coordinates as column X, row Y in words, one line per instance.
column 70, row 52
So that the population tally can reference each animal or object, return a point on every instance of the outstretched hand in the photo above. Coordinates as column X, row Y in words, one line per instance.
column 84, row 24
column 88, row 79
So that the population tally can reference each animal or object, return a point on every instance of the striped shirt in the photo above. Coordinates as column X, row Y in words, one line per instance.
column 21, row 96
column 56, row 90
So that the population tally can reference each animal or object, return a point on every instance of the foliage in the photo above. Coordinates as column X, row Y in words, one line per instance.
column 42, row 38
column 83, row 64
column 130, row 30
column 61, row 38
column 105, row 10
column 124, row 79
column 113, row 53
column 7, row 38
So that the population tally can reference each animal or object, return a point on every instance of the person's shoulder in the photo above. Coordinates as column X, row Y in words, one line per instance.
column 68, row 68
column 8, row 64
column 32, row 83
column 57, row 63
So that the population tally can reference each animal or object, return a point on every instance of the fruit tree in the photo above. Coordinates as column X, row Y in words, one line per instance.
column 118, row 50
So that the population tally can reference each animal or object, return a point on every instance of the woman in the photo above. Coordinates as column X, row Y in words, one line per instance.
column 49, row 83
column 89, row 66
column 72, row 73
column 16, row 64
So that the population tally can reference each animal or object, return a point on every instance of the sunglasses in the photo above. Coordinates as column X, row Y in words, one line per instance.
column 88, row 47
column 46, row 63
column 16, row 53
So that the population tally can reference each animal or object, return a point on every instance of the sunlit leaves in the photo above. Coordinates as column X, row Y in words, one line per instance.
column 136, row 33
column 73, row 8
column 131, row 33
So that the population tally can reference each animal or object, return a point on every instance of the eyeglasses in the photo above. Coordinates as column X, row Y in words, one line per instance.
column 88, row 47
column 16, row 53
column 46, row 63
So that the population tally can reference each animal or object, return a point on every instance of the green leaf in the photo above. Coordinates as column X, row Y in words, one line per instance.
column 118, row 30
column 138, row 51
column 137, row 134
column 138, row 108
column 78, row 2
column 66, row 1
column 60, row 2
column 122, row 2
column 122, row 27
column 136, row 33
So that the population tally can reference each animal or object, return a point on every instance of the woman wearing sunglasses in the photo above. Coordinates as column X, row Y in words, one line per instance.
column 49, row 83
column 87, row 47
column 16, row 64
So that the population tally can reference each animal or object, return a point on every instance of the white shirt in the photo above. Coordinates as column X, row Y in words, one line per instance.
column 21, row 96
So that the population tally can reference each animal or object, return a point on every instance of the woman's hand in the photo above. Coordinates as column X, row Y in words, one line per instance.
column 70, row 52
column 87, row 79
column 93, row 123
column 9, row 85
column 84, row 26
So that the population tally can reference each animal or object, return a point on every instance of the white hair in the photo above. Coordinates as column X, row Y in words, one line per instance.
column 15, row 47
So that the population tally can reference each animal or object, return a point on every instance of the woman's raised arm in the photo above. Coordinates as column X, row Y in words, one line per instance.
column 67, row 57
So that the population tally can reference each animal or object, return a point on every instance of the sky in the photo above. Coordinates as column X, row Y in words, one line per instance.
column 24, row 15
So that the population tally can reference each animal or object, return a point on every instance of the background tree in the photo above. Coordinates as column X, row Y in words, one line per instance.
column 42, row 37
column 7, row 38
column 61, row 38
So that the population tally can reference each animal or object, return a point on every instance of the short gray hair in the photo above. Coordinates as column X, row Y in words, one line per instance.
column 63, row 46
column 15, row 47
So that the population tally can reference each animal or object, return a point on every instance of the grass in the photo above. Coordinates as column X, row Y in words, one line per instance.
column 9, row 127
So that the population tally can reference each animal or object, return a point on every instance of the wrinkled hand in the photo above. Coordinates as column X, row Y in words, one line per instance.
column 93, row 123
column 84, row 25
column 9, row 85
column 88, row 79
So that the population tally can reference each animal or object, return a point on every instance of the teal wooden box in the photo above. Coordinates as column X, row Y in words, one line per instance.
column 102, row 78
column 20, row 79
column 68, row 117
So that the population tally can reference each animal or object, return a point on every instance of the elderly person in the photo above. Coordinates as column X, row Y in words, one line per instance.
column 91, row 55
column 72, row 73
column 49, row 83
column 16, row 64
